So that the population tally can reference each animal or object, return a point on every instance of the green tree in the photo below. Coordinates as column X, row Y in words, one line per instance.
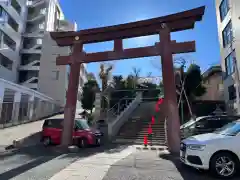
column 161, row 87
column 152, row 91
column 193, row 82
column 118, row 82
column 88, row 96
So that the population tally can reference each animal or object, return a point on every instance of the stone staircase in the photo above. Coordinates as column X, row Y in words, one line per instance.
column 134, row 130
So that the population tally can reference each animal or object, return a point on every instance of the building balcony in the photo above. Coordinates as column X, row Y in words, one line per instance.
column 31, row 85
column 64, row 25
column 32, row 47
column 12, row 11
column 36, row 18
column 31, row 51
column 34, row 66
column 35, row 3
column 32, row 80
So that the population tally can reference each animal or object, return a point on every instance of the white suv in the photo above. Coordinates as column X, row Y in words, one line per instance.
column 218, row 152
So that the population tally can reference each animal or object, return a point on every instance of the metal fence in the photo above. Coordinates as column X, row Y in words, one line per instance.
column 14, row 113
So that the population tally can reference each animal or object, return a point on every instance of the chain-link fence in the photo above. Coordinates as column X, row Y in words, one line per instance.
column 14, row 113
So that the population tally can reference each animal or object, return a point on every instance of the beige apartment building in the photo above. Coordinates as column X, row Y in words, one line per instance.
column 228, row 20
column 213, row 82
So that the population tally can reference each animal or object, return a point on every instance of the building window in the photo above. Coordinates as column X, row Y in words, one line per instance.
column 55, row 75
column 231, row 92
column 5, row 62
column 223, row 9
column 227, row 34
column 16, row 6
column 229, row 63
column 220, row 87
column 6, row 41
column 13, row 23
column 3, row 15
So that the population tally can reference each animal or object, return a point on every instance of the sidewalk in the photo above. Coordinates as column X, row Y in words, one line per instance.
column 19, row 132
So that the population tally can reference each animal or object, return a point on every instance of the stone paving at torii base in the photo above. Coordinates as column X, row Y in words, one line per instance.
column 130, row 164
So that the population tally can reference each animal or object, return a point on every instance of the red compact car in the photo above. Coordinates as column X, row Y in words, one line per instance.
column 83, row 135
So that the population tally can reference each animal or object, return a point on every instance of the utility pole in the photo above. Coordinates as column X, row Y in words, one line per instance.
column 182, row 83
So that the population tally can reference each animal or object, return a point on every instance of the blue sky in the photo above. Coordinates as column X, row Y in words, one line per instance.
column 98, row 13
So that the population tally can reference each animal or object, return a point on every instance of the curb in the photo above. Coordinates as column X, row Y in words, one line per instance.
column 152, row 148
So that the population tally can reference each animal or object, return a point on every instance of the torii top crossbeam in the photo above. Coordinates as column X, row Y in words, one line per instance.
column 175, row 22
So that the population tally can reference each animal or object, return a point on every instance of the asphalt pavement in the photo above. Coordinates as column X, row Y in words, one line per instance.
column 34, row 162
column 40, row 163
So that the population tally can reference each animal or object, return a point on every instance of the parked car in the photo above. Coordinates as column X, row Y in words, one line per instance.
column 218, row 152
column 205, row 124
column 83, row 135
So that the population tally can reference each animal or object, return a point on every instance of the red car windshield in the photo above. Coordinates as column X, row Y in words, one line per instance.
column 82, row 124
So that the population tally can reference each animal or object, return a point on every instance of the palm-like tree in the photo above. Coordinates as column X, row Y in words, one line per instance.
column 136, row 74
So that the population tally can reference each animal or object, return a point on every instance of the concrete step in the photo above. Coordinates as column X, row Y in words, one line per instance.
column 140, row 142
column 141, row 138
column 140, row 135
column 145, row 131
column 142, row 132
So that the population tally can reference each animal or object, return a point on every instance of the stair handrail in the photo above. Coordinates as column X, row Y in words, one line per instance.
column 111, row 110
column 115, row 125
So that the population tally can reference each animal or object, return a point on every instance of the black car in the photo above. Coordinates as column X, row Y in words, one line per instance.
column 205, row 124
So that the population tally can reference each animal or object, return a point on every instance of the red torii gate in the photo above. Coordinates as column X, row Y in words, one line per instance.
column 165, row 48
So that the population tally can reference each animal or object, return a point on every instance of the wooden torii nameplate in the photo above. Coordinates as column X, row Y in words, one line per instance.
column 165, row 48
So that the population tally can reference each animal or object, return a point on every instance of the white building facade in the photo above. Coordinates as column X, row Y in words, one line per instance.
column 31, row 85
column 27, row 53
column 12, row 25
column 228, row 20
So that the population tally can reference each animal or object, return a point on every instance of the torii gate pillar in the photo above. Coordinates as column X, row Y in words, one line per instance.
column 170, row 97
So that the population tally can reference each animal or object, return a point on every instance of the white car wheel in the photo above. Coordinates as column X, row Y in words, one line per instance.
column 224, row 165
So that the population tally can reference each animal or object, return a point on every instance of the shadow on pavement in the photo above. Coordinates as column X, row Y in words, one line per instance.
column 32, row 139
column 107, row 148
column 19, row 170
column 188, row 173
column 40, row 155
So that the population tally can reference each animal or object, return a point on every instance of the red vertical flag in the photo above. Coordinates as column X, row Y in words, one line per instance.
column 153, row 120
column 156, row 108
column 160, row 101
column 149, row 129
column 145, row 141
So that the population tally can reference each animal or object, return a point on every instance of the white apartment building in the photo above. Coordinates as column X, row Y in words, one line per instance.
column 12, row 25
column 25, row 55
column 228, row 20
